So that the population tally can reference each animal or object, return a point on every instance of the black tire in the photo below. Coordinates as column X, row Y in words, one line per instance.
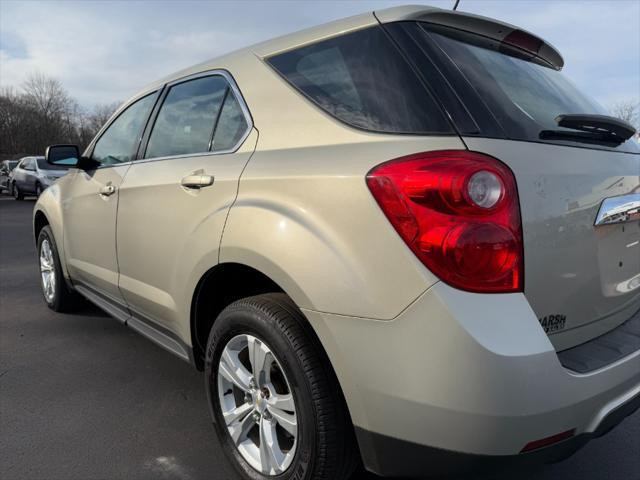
column 17, row 194
column 326, row 448
column 64, row 299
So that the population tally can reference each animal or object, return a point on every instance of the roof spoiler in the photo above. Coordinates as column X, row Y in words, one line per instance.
column 487, row 27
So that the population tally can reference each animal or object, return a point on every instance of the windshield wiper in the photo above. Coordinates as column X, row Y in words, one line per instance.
column 606, row 139
column 596, row 129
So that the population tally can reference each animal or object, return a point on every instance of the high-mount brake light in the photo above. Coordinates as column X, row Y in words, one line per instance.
column 459, row 213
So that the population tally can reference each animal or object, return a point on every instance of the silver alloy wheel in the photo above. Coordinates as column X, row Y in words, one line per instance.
column 257, row 404
column 48, row 271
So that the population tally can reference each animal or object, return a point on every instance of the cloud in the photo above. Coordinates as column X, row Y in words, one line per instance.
column 104, row 51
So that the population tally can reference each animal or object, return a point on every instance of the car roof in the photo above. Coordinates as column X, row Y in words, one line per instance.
column 245, row 57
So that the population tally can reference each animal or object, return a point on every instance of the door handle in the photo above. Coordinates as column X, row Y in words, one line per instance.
column 108, row 190
column 197, row 181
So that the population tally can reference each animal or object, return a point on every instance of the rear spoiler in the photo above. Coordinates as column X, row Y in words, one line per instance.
column 487, row 27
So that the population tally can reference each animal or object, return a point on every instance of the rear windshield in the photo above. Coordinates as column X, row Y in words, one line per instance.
column 362, row 79
column 524, row 96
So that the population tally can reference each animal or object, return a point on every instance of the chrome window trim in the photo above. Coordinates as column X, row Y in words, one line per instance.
column 239, row 98
column 208, row 73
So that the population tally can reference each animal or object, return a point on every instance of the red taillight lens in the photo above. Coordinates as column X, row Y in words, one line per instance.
column 458, row 211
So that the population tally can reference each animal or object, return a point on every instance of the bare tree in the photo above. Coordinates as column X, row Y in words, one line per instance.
column 43, row 113
column 629, row 111
column 101, row 113
column 89, row 123
column 46, row 94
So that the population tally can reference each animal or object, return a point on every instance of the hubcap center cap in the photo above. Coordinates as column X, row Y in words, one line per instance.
column 257, row 399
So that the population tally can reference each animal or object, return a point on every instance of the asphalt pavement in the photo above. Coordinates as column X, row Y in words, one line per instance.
column 83, row 397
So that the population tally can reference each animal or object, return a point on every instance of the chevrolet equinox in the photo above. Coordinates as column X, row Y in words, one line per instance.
column 402, row 240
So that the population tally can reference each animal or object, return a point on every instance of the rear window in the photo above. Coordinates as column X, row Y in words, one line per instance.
column 524, row 95
column 361, row 79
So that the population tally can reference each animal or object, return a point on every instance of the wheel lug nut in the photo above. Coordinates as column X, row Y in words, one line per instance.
column 267, row 415
column 247, row 397
column 256, row 417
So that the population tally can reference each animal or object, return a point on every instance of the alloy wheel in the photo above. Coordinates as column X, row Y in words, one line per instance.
column 47, row 271
column 257, row 404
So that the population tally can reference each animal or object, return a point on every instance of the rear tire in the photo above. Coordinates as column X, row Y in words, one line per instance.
column 57, row 294
column 17, row 194
column 323, row 445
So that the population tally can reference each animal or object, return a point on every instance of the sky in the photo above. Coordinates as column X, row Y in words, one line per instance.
column 104, row 51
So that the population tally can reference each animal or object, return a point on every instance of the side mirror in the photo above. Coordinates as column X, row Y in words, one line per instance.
column 68, row 155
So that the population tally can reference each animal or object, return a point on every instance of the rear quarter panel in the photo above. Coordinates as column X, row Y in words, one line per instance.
column 304, row 215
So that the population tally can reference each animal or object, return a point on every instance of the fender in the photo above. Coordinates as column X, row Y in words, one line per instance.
column 49, row 204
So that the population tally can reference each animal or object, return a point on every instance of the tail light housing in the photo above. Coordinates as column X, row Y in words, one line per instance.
column 458, row 211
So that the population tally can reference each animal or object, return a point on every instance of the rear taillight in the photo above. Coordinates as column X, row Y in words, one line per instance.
column 458, row 211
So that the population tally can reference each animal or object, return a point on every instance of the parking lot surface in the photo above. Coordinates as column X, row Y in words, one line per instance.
column 83, row 397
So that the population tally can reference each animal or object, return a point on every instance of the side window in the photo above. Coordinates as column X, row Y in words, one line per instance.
column 119, row 142
column 187, row 117
column 231, row 126
column 362, row 79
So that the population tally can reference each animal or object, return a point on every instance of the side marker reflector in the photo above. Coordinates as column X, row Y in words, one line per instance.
column 545, row 442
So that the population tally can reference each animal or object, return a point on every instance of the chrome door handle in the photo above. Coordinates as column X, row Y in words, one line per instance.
column 108, row 190
column 197, row 181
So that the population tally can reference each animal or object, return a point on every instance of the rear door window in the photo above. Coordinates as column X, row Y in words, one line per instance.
column 362, row 79
column 187, row 118
column 231, row 125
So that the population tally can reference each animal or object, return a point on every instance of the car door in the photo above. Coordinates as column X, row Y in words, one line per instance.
column 4, row 175
column 91, row 201
column 175, row 198
column 27, row 179
column 20, row 174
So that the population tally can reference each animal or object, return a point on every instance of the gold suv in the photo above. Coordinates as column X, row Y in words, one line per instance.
column 402, row 239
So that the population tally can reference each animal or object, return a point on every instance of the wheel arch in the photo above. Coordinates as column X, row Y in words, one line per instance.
column 48, row 211
column 218, row 287
column 225, row 283
column 40, row 220
column 222, row 285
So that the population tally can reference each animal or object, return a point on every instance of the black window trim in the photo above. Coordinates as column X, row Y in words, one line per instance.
column 231, row 87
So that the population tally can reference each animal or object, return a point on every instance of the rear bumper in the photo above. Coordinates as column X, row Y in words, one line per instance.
column 466, row 376
column 392, row 457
